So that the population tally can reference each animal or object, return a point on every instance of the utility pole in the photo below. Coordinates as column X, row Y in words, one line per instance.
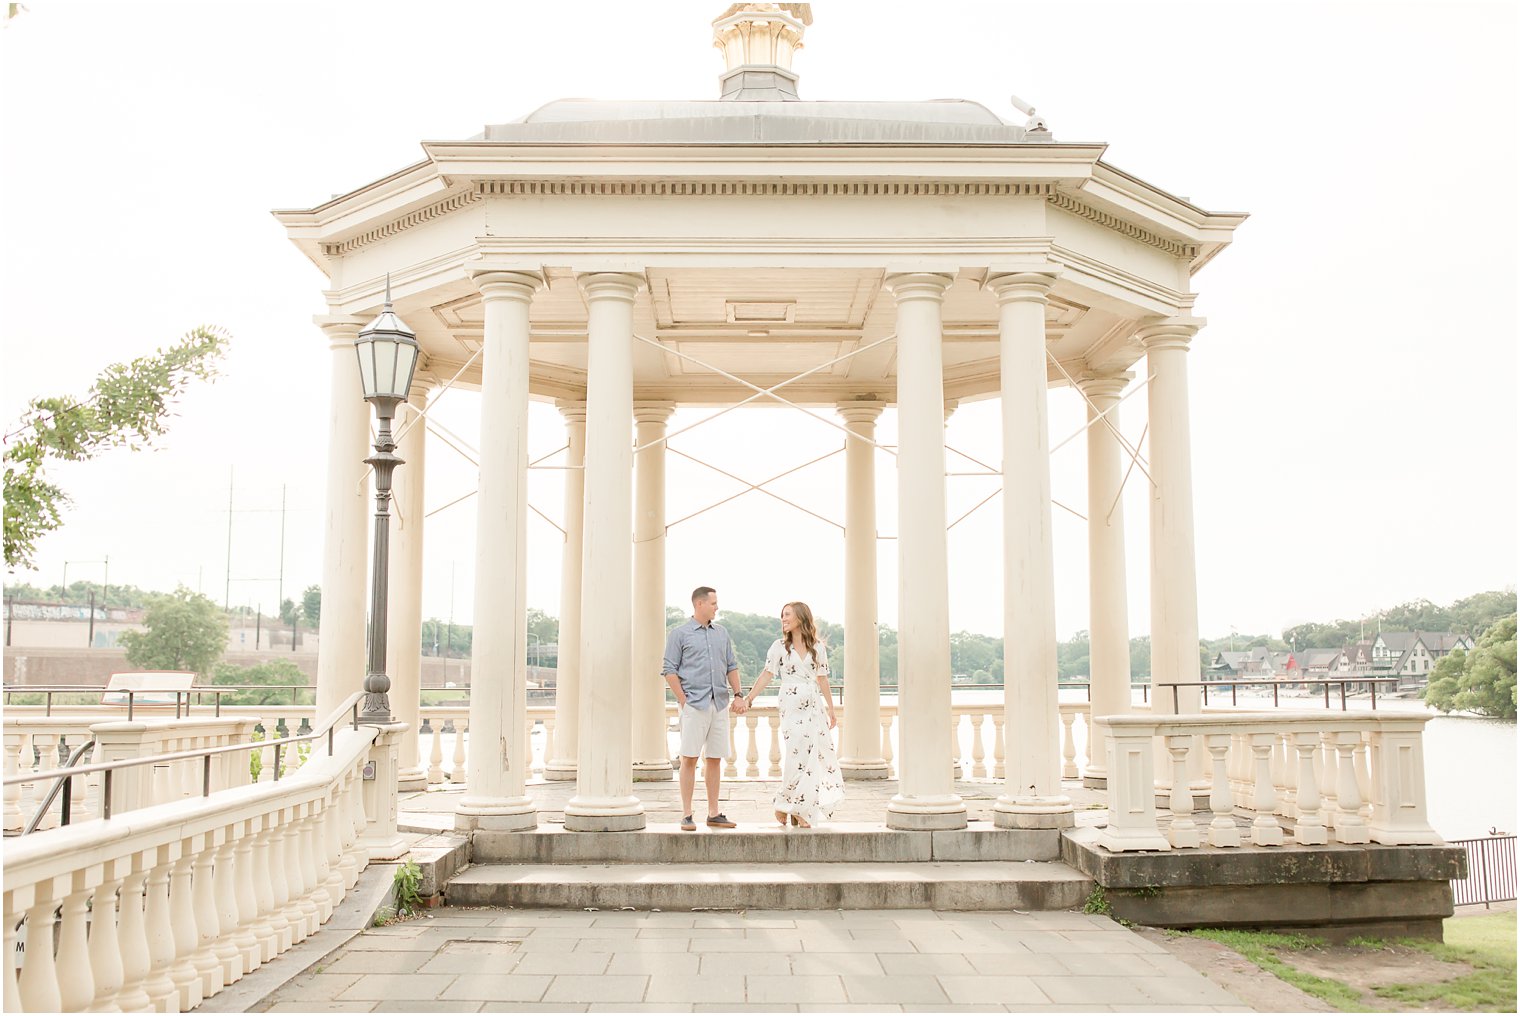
column 90, row 639
column 258, row 620
column 227, row 593
column 280, row 595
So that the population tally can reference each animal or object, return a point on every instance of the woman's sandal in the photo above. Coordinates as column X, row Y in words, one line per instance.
column 781, row 817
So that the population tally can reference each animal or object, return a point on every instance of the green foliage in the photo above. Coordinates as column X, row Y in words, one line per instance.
column 1485, row 946
column 280, row 675
column 1468, row 616
column 440, row 638
column 311, row 606
column 406, row 890
column 127, row 406
column 1481, row 681
column 79, row 593
column 1261, row 948
column 1097, row 902
column 288, row 611
column 185, row 631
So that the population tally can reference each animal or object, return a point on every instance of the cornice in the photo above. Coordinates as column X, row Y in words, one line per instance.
column 440, row 208
column 1177, row 249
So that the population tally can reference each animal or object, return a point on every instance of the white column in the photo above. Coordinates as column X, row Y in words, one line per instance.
column 404, row 616
column 567, row 681
column 1107, row 596
column 345, row 542
column 604, row 798
column 651, row 746
column 1174, row 577
column 860, row 755
column 1032, row 797
column 496, row 796
column 926, row 796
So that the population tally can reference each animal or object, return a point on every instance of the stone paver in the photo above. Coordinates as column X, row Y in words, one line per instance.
column 824, row 961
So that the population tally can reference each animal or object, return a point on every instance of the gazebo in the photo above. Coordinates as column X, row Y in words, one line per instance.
column 622, row 258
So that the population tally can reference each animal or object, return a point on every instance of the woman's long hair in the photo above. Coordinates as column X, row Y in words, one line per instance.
column 804, row 629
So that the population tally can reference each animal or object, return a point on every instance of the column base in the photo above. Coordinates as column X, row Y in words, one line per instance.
column 653, row 772
column 411, row 779
column 865, row 769
column 496, row 814
column 1054, row 812
column 604, row 814
column 384, row 848
column 561, row 770
column 947, row 811
column 1095, row 779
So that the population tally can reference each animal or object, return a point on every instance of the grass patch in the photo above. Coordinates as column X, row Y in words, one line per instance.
column 1259, row 947
column 1485, row 945
column 1097, row 902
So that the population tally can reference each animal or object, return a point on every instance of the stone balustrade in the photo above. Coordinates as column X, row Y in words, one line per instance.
column 1300, row 777
column 36, row 743
column 161, row 908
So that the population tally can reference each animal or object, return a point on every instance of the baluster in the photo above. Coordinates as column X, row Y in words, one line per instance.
column 305, row 845
column 302, row 911
column 76, row 988
column 1265, row 831
column 224, row 886
column 135, row 961
column 322, row 895
column 159, row 986
column 1350, row 827
column 774, row 721
column 435, row 755
column 886, row 743
column 105, row 938
column 1184, row 831
column 730, row 767
column 1240, row 772
column 281, row 869
column 187, row 937
column 999, row 747
column 332, row 835
column 251, row 954
column 14, row 822
column 1222, row 830
column 548, row 722
column 1329, row 782
column 263, row 890
column 457, row 774
column 47, row 758
column 78, row 790
column 356, row 856
column 12, row 986
column 1287, row 799
column 978, row 750
column 1308, row 827
column 261, row 752
column 1275, row 772
column 1360, row 761
column 1069, row 769
column 752, row 751
column 40, row 991
column 208, row 920
column 955, row 746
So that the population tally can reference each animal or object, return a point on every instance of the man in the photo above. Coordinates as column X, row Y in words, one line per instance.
column 704, row 675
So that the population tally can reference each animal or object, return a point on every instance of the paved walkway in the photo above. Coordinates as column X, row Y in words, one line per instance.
column 461, row 960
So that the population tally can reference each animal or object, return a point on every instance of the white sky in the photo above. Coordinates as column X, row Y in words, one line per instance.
column 1354, row 426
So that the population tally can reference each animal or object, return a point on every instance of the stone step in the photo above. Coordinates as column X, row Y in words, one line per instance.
column 936, row 885
column 757, row 844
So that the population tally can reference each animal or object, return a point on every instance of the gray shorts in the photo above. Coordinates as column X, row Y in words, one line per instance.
column 704, row 731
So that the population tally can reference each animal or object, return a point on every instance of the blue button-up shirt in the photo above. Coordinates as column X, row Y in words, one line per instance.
column 701, row 656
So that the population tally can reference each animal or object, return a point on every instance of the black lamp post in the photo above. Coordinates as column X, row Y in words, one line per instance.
column 387, row 357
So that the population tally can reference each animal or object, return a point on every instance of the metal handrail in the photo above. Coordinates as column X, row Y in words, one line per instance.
column 1276, row 683
column 198, row 690
column 66, row 784
column 350, row 705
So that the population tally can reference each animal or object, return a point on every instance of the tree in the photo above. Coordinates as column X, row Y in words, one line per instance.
column 185, row 631
column 279, row 675
column 1481, row 681
column 311, row 605
column 128, row 406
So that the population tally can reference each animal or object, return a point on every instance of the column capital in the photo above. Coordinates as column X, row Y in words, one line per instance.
column 1168, row 333
column 610, row 285
column 1100, row 385
column 859, row 411
column 1017, row 287
column 495, row 284
column 340, row 329
column 572, row 410
column 652, row 412
column 918, row 285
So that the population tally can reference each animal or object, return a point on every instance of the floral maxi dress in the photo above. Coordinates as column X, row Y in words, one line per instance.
column 811, row 783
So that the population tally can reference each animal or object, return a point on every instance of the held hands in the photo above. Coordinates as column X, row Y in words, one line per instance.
column 740, row 705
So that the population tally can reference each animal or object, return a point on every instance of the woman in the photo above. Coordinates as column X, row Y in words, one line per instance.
column 811, row 784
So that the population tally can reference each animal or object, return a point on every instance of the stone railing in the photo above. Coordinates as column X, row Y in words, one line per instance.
column 36, row 743
column 1306, row 778
column 977, row 737
column 161, row 908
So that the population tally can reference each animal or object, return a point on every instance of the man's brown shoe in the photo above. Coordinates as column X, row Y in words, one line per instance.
column 720, row 821
column 689, row 824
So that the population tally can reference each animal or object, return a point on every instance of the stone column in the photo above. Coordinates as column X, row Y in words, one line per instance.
column 651, row 746
column 604, row 798
column 1174, row 576
column 404, row 617
column 1107, row 596
column 496, row 797
column 567, row 681
column 926, row 796
column 1032, row 797
column 341, row 661
column 860, row 739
